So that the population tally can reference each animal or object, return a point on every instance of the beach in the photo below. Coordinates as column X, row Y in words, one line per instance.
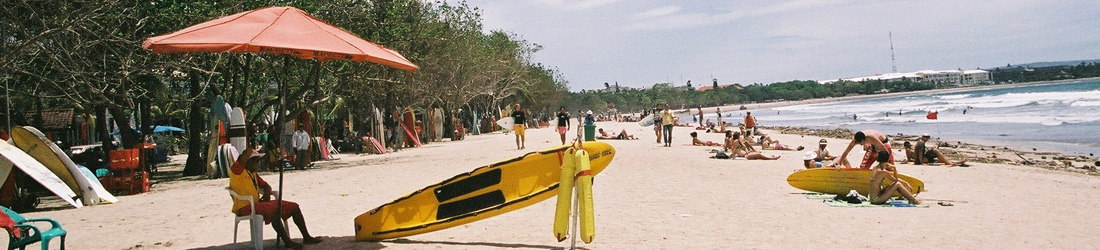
column 650, row 197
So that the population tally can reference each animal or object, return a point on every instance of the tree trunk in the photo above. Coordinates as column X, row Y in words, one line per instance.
column 104, row 136
column 196, row 163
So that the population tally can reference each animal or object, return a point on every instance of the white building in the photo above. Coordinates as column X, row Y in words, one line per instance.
column 949, row 77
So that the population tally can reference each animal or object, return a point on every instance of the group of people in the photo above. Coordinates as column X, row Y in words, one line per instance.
column 880, row 160
column 662, row 124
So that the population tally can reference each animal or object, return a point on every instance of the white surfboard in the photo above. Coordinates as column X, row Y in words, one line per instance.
column 506, row 123
column 104, row 195
column 42, row 149
column 647, row 120
column 15, row 157
column 237, row 130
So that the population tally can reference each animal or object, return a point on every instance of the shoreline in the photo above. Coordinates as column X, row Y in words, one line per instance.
column 973, row 151
column 754, row 106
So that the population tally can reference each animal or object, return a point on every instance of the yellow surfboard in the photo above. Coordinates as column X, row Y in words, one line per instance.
column 840, row 181
column 482, row 193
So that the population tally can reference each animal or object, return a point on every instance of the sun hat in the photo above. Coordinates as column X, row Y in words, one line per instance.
column 810, row 155
column 925, row 135
column 822, row 142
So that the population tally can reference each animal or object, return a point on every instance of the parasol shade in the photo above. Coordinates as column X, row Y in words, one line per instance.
column 278, row 30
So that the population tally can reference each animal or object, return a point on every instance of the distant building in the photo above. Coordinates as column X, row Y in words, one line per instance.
column 946, row 77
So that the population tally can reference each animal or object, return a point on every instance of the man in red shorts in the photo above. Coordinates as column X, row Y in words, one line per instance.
column 244, row 181
column 873, row 142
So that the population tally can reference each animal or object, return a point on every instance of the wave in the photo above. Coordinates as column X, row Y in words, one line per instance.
column 954, row 97
column 1085, row 104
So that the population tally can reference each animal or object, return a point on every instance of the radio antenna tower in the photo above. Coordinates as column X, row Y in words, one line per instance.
column 893, row 64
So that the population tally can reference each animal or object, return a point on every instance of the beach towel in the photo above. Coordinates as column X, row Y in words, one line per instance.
column 891, row 203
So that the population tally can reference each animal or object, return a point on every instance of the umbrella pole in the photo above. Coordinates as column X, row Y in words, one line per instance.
column 282, row 107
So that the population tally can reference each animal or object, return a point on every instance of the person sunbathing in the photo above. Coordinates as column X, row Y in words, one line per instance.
column 621, row 136
column 885, row 183
column 696, row 142
column 244, row 180
column 768, row 143
column 929, row 155
column 741, row 152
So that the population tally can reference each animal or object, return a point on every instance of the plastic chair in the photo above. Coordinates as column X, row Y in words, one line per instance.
column 31, row 234
column 256, row 221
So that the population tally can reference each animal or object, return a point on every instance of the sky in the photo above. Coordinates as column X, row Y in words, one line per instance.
column 641, row 42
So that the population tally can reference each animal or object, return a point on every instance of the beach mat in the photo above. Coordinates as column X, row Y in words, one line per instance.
column 891, row 203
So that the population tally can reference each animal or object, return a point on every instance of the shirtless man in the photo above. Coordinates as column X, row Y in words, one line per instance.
column 928, row 155
column 873, row 142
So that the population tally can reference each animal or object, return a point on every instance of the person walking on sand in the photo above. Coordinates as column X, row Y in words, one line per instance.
column 243, row 180
column 873, row 142
column 657, row 122
column 666, row 123
column 563, row 123
column 300, row 143
column 519, row 120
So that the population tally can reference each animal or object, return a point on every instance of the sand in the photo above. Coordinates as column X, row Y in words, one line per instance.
column 650, row 197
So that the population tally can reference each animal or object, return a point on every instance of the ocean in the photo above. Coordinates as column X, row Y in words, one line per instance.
column 1063, row 117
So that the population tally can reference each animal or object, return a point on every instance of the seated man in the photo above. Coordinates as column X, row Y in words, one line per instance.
column 244, row 181
column 928, row 155
column 823, row 158
column 696, row 142
column 910, row 153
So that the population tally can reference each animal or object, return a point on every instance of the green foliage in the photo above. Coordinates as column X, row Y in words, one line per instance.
column 683, row 97
column 1023, row 74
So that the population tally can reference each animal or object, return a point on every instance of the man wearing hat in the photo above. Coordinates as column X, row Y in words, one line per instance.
column 243, row 180
column 823, row 158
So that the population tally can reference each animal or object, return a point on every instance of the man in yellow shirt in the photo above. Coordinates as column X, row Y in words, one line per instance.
column 243, row 180
column 666, row 124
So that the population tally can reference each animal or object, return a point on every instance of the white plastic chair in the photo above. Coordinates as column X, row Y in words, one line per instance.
column 256, row 220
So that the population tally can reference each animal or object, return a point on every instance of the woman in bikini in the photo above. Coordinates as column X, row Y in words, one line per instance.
column 696, row 142
column 885, row 183
column 740, row 150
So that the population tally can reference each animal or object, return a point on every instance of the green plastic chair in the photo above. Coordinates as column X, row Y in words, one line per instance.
column 31, row 234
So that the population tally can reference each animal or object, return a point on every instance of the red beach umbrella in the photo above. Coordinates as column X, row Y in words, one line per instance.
column 277, row 30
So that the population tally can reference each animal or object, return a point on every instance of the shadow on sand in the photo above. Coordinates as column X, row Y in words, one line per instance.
column 347, row 242
column 484, row 244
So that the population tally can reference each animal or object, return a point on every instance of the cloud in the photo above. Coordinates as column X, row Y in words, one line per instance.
column 656, row 12
column 665, row 18
column 576, row 4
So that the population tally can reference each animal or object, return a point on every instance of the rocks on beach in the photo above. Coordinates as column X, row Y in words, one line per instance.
column 974, row 152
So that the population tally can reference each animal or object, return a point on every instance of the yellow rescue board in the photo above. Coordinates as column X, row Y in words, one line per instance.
column 482, row 193
column 565, row 195
column 841, row 180
column 584, row 197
